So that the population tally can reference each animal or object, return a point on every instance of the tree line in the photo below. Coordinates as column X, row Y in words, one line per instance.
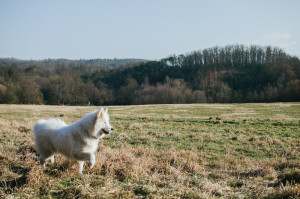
column 234, row 73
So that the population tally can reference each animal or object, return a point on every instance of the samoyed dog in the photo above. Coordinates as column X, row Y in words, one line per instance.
column 77, row 141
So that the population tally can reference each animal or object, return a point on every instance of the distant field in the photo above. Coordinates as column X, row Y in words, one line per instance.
column 161, row 151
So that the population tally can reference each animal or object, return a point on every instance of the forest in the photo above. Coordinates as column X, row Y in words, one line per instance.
column 229, row 74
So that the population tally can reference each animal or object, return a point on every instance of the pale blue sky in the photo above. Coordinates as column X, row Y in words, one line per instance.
column 148, row 29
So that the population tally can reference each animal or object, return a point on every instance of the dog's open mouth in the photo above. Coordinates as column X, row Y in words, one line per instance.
column 104, row 131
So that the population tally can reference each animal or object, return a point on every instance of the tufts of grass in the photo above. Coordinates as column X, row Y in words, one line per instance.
column 161, row 151
column 285, row 191
column 290, row 176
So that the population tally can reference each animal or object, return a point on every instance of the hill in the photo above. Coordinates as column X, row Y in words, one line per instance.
column 71, row 63
column 234, row 73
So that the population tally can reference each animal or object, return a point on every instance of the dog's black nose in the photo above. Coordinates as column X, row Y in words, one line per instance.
column 112, row 128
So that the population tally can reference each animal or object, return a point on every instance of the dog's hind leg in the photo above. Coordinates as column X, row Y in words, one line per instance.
column 45, row 156
column 51, row 159
column 92, row 161
column 42, row 160
column 81, row 163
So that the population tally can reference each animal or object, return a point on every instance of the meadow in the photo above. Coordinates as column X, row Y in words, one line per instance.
column 161, row 151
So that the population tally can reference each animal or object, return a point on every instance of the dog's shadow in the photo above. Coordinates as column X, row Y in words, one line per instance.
column 59, row 168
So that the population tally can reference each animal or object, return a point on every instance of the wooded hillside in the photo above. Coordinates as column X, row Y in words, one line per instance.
column 234, row 73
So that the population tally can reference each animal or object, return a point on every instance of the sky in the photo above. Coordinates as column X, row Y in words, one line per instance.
column 91, row 29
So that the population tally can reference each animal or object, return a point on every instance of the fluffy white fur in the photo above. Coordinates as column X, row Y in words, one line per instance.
column 78, row 141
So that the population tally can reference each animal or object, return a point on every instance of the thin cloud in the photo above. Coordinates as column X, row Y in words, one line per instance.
column 278, row 36
column 282, row 40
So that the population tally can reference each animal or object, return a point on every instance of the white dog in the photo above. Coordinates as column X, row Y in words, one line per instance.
column 78, row 141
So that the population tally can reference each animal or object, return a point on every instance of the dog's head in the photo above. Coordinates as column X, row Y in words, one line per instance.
column 102, row 126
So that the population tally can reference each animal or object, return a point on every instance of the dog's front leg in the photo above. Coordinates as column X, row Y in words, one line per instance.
column 83, row 156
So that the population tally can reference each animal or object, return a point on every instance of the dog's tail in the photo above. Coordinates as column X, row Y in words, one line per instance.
column 38, row 125
column 43, row 124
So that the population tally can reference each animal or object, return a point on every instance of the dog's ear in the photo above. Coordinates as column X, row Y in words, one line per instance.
column 100, row 113
column 106, row 110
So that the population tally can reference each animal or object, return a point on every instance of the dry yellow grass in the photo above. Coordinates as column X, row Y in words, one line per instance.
column 160, row 151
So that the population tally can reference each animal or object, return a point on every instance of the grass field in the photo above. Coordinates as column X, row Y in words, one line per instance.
column 161, row 151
